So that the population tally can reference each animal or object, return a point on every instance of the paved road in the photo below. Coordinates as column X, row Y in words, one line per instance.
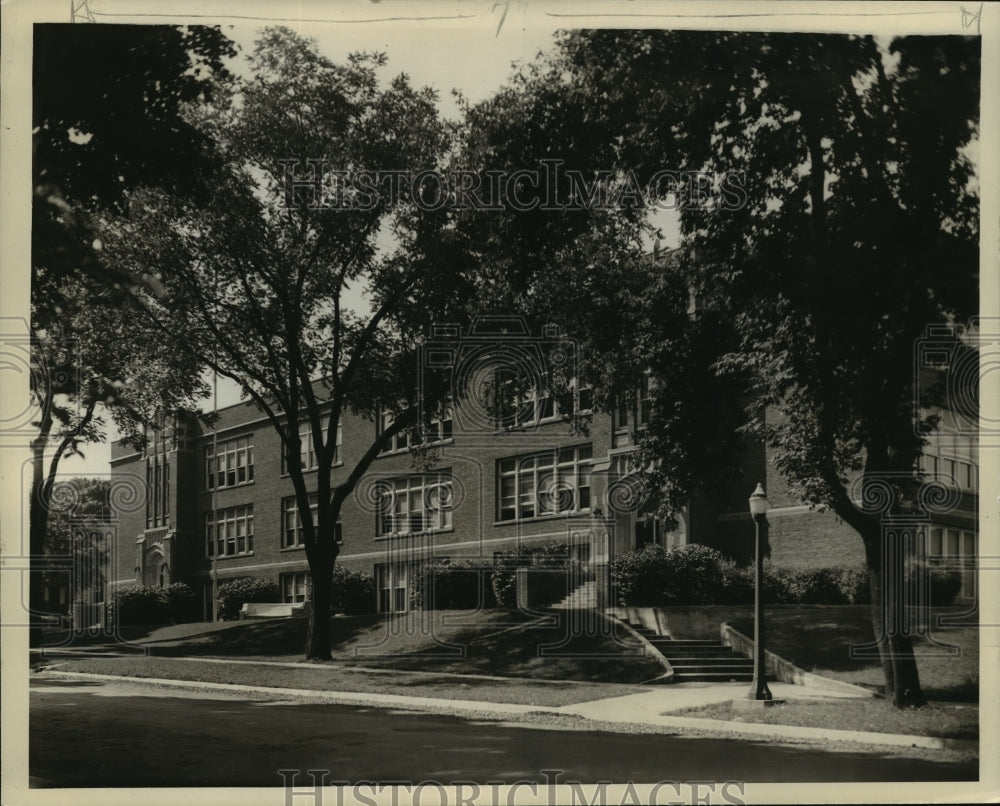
column 90, row 734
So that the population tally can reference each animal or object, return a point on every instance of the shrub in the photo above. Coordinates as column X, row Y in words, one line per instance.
column 944, row 584
column 182, row 604
column 237, row 592
column 854, row 585
column 503, row 579
column 694, row 574
column 655, row 577
column 353, row 592
column 446, row 585
column 639, row 577
column 138, row 605
column 735, row 583
column 503, row 583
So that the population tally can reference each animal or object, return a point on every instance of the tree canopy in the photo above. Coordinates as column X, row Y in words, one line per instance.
column 294, row 279
column 858, row 229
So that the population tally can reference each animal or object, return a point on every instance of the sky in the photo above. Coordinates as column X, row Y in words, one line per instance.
column 473, row 57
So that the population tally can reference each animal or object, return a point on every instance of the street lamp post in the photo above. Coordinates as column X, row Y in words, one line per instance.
column 758, row 511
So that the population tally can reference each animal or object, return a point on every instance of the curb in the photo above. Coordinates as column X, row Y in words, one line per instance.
column 754, row 729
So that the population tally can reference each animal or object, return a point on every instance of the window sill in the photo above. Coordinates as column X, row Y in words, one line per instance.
column 231, row 556
column 434, row 444
column 425, row 533
column 209, row 490
column 299, row 547
column 285, row 474
column 537, row 518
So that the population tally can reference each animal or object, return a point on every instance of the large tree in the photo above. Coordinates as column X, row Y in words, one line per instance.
column 106, row 114
column 295, row 279
column 857, row 229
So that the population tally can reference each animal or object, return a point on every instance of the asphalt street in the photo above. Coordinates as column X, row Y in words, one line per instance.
column 94, row 734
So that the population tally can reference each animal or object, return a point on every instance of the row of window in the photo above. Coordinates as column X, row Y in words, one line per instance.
column 550, row 483
column 230, row 463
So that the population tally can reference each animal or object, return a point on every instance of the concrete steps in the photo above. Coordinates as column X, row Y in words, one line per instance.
column 582, row 597
column 700, row 660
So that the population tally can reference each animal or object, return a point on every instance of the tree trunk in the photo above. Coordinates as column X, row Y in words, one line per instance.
column 318, row 633
column 886, row 576
column 321, row 562
column 37, row 521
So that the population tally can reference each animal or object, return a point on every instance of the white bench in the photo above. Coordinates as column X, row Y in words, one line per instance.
column 271, row 610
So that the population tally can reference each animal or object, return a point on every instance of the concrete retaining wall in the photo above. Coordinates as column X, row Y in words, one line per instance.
column 785, row 670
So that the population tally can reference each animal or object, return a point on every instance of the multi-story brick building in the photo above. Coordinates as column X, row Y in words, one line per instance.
column 217, row 503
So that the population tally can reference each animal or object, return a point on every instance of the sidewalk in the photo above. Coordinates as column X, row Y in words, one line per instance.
column 646, row 709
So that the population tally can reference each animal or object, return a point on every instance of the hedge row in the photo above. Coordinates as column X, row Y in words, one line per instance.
column 134, row 605
column 699, row 575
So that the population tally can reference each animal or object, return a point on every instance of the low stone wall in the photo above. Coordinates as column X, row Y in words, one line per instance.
column 684, row 622
column 785, row 670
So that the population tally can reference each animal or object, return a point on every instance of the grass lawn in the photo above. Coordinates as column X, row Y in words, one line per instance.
column 865, row 715
column 819, row 640
column 557, row 646
column 330, row 677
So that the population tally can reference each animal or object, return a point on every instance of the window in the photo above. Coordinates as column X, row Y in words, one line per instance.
column 518, row 404
column 950, row 458
column 158, row 490
column 413, row 504
column 307, row 450
column 544, row 484
column 229, row 532
column 231, row 464
column 291, row 522
column 390, row 582
column 956, row 549
column 438, row 429
column 294, row 587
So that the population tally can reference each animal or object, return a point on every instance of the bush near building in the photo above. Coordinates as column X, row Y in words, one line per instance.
column 143, row 605
column 503, row 579
column 234, row 594
column 353, row 592
column 698, row 575
column 447, row 585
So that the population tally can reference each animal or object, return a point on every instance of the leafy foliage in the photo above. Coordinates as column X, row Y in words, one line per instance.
column 261, row 281
column 856, row 162
column 234, row 594
column 451, row 585
column 138, row 605
column 353, row 592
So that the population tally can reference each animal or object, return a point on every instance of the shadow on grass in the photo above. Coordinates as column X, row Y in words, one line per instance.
column 265, row 637
column 821, row 641
column 563, row 646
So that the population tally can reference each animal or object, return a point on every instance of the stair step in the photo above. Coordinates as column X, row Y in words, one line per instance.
column 700, row 668
column 723, row 659
column 712, row 677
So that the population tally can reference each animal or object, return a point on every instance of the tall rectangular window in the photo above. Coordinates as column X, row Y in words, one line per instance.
column 157, row 489
column 308, row 460
column 413, row 504
column 229, row 532
column 390, row 582
column 294, row 587
column 291, row 522
column 231, row 464
column 547, row 483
